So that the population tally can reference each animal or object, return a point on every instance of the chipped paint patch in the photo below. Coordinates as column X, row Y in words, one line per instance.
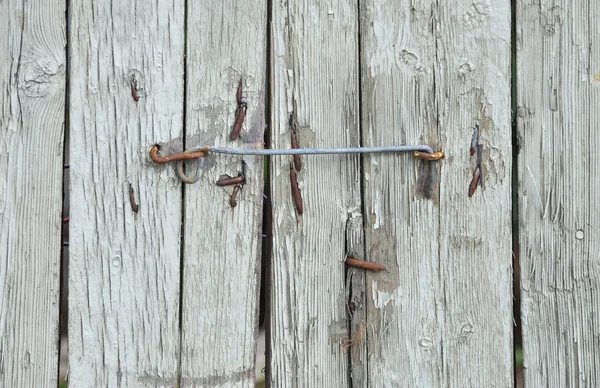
column 382, row 298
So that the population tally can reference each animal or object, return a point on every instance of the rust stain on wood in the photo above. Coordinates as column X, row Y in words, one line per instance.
column 238, row 93
column 239, row 120
column 474, row 141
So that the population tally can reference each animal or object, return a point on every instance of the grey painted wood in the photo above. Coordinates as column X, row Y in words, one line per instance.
column 558, row 120
column 124, row 265
column 32, row 95
column 315, row 78
column 405, row 303
column 226, row 42
column 431, row 73
column 473, row 88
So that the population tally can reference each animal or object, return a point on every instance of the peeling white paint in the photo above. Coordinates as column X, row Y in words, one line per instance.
column 382, row 298
column 377, row 210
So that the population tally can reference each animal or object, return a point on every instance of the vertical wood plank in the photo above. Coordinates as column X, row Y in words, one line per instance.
column 473, row 73
column 558, row 119
column 124, row 265
column 315, row 79
column 32, row 98
column 430, row 74
column 405, row 303
column 226, row 42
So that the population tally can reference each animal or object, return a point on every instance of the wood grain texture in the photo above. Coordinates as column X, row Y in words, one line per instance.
column 356, row 305
column 226, row 42
column 124, row 266
column 315, row 77
column 558, row 97
column 430, row 74
column 473, row 88
column 405, row 303
column 32, row 96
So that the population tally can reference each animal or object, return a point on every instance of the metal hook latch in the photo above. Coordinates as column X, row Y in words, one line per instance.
column 419, row 151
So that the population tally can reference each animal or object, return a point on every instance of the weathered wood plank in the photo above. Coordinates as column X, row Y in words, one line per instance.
column 226, row 43
column 405, row 307
column 32, row 97
column 315, row 79
column 558, row 120
column 124, row 265
column 473, row 88
column 430, row 74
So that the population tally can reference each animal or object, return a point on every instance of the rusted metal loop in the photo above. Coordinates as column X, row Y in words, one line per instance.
column 185, row 178
column 429, row 155
column 186, row 155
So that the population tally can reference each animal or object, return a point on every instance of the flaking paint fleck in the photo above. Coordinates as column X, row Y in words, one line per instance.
column 382, row 298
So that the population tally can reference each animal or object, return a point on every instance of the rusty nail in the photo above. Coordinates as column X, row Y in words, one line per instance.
column 239, row 120
column 475, row 181
column 240, row 112
column 234, row 193
column 366, row 265
column 297, row 197
column 134, row 91
column 294, row 141
column 228, row 181
column 134, row 206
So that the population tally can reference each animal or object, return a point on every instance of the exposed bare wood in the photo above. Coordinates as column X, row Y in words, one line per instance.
column 126, row 93
column 32, row 96
column 315, row 80
column 226, row 43
column 430, row 74
column 558, row 119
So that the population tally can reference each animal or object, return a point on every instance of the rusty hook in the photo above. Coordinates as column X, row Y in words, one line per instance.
column 180, row 158
column 428, row 155
column 186, row 155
